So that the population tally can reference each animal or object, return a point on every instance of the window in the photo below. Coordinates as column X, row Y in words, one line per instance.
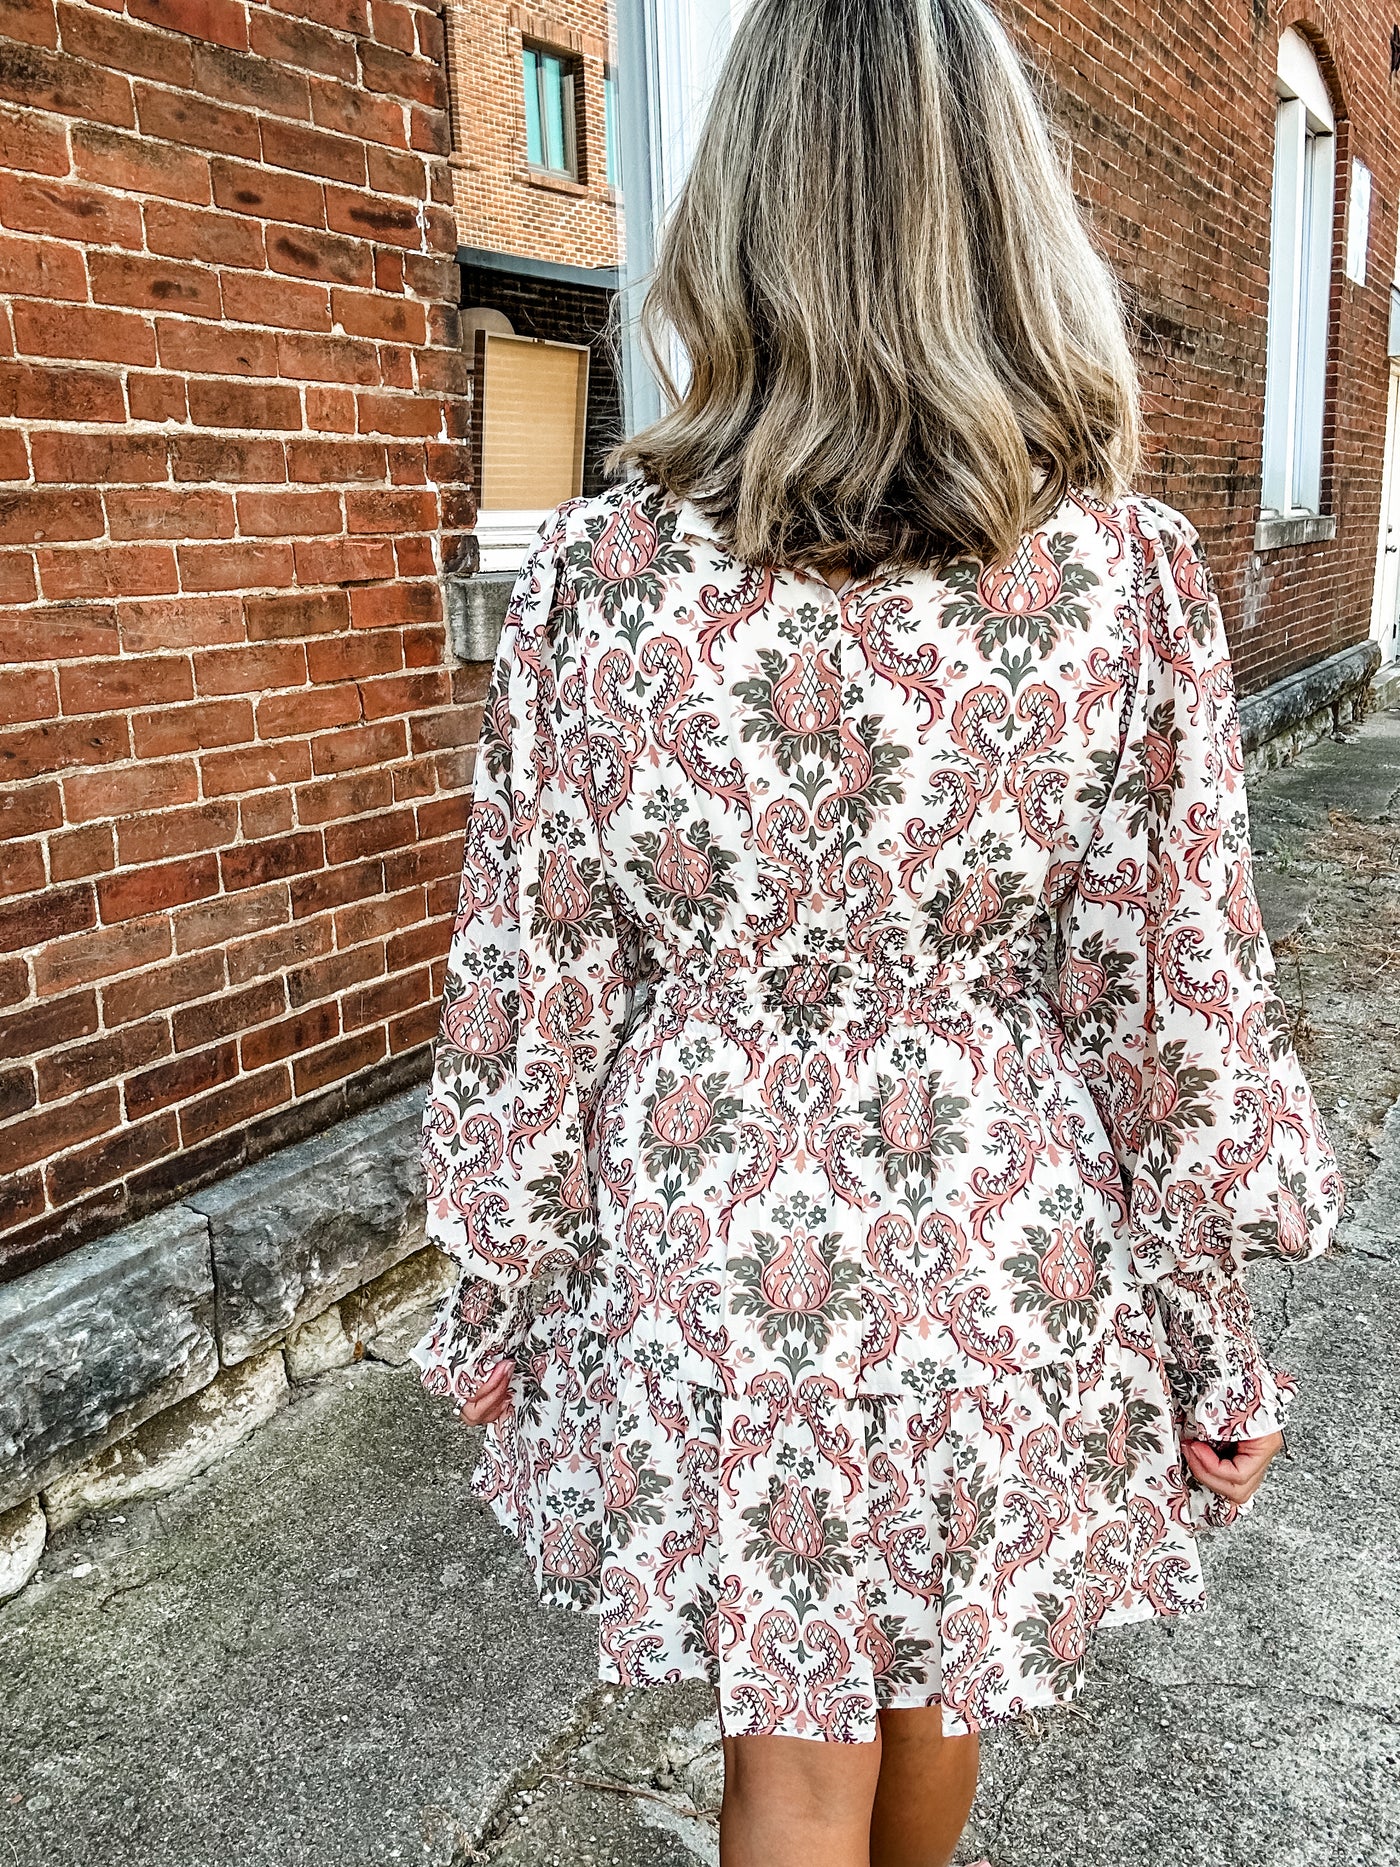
column 551, row 122
column 1300, row 277
column 533, row 403
column 610, row 126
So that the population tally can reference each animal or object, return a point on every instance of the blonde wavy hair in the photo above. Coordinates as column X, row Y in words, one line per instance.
column 903, row 345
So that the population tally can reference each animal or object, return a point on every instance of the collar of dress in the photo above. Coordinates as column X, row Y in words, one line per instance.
column 692, row 523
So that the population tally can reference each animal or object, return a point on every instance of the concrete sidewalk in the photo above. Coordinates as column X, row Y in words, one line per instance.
column 321, row 1653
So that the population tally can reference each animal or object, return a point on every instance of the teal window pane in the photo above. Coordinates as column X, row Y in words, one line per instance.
column 610, row 126
column 534, row 136
column 554, row 113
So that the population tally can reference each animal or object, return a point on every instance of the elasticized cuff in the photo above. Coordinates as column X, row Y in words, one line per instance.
column 1223, row 1415
column 1222, row 1387
column 1248, row 1403
column 480, row 1324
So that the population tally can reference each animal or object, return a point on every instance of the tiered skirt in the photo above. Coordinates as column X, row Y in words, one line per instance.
column 817, row 1557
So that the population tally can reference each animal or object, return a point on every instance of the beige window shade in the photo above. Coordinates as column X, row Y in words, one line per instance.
column 532, row 397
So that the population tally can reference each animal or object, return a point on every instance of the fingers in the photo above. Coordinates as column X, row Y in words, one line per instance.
column 492, row 1397
column 1237, row 1478
column 1209, row 1469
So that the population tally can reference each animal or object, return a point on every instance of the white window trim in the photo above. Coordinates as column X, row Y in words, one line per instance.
column 1300, row 266
column 506, row 536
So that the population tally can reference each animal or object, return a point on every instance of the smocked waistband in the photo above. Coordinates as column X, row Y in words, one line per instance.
column 824, row 986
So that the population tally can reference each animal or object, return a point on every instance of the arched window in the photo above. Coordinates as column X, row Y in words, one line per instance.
column 1300, row 276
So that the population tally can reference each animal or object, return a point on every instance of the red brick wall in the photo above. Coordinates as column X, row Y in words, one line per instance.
column 1171, row 109
column 501, row 205
column 232, row 757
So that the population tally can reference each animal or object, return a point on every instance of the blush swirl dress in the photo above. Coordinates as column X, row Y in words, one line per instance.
column 860, row 1089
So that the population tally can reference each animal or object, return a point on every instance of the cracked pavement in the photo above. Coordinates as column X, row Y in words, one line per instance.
column 322, row 1653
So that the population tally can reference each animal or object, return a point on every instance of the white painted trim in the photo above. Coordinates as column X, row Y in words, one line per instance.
column 1285, row 302
column 1385, row 600
column 1358, row 221
column 1299, row 75
column 505, row 537
column 1311, row 364
column 1300, row 272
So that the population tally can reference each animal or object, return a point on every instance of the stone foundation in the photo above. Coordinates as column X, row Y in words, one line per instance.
column 1296, row 712
column 139, row 1359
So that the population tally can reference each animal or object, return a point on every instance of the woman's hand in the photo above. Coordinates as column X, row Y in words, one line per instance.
column 491, row 1398
column 1235, row 1479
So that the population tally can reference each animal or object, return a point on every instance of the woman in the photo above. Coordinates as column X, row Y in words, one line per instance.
column 861, row 1085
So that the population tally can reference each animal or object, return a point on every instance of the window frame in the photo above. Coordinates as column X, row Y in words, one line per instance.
column 612, row 168
column 538, row 122
column 1302, row 226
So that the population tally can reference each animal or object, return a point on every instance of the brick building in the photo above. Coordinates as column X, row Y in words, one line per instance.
column 235, row 730
column 232, row 421
column 514, row 190
column 535, row 168
column 1176, row 120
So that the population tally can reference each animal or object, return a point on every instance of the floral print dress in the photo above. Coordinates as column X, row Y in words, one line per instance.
column 860, row 1091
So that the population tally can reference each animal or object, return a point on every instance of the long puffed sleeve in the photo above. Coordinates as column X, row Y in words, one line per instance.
column 1166, row 996
column 539, row 978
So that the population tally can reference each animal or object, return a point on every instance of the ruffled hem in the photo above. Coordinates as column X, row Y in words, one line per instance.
column 918, row 1698
column 815, row 1558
